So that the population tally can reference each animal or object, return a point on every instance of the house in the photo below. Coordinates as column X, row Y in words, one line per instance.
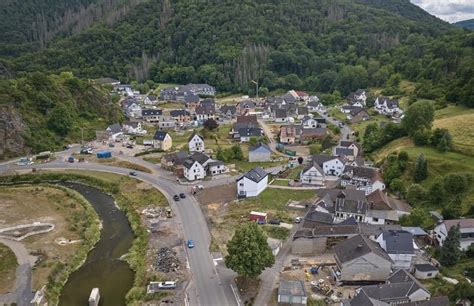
column 114, row 131
column 133, row 128
column 245, row 107
column 252, row 183
column 228, row 111
column 246, row 133
column 312, row 174
column 193, row 170
column 174, row 162
column 301, row 112
column 150, row 100
column 466, row 227
column 260, row 153
column 401, row 289
column 166, row 122
column 132, row 108
column 290, row 134
column 316, row 106
column 358, row 114
column 378, row 200
column 204, row 112
column 312, row 123
column 291, row 292
column 346, row 208
column 200, row 89
column 399, row 246
column 425, row 271
column 281, row 116
column 181, row 93
column 196, row 143
column 386, row 106
column 354, row 146
column 360, row 259
column 315, row 238
column 314, row 218
column 308, row 135
column 152, row 115
column 358, row 98
column 331, row 165
column 162, row 140
column 181, row 116
column 362, row 178
column 216, row 167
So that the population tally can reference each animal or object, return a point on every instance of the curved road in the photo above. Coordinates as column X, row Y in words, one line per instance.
column 207, row 288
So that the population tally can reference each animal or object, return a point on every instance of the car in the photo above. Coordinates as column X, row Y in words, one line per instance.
column 132, row 173
column 298, row 219
column 260, row 222
column 111, row 145
column 167, row 285
column 274, row 221
column 129, row 147
column 190, row 244
column 182, row 195
column 176, row 197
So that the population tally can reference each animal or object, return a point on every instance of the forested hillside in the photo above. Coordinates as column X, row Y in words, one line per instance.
column 40, row 112
column 467, row 24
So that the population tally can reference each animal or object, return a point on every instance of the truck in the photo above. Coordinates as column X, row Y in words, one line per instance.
column 25, row 161
column 104, row 154
column 259, row 217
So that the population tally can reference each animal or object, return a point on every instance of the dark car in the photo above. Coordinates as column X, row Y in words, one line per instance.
column 176, row 197
column 275, row 222
column 132, row 173
column 129, row 147
column 182, row 195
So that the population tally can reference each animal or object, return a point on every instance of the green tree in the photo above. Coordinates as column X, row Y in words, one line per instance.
column 455, row 184
column 210, row 124
column 462, row 290
column 453, row 208
column 450, row 253
column 442, row 140
column 437, row 193
column 237, row 153
column 418, row 217
column 60, row 120
column 421, row 168
column 398, row 187
column 419, row 116
column 416, row 194
column 315, row 148
column 253, row 141
column 249, row 253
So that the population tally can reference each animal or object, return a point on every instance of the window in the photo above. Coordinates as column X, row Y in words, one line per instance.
column 429, row 274
column 376, row 219
column 241, row 184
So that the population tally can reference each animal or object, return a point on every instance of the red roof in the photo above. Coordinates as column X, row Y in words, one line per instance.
column 463, row 223
column 301, row 93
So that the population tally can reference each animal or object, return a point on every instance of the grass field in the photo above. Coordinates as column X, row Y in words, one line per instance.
column 171, row 105
column 459, row 121
column 336, row 113
column 27, row 204
column 8, row 266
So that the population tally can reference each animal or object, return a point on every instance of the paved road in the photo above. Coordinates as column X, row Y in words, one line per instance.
column 346, row 131
column 207, row 288
column 22, row 292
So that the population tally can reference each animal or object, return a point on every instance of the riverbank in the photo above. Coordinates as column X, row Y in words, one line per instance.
column 74, row 219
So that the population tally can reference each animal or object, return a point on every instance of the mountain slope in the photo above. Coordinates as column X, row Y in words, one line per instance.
column 466, row 24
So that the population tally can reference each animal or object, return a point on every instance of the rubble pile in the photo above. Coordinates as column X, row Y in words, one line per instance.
column 167, row 261
column 155, row 212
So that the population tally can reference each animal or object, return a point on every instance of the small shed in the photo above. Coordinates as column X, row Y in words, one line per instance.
column 425, row 271
column 258, row 216
column 291, row 292
column 104, row 154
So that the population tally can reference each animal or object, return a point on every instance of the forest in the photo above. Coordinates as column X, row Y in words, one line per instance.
column 316, row 45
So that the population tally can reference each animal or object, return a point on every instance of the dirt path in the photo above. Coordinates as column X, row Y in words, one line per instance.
column 22, row 292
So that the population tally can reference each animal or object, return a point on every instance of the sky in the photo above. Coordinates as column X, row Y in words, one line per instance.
column 449, row 10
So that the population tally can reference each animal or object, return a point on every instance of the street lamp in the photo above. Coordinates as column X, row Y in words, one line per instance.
column 256, row 84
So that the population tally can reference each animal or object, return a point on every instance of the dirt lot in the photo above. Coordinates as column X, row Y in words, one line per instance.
column 27, row 204
column 8, row 266
column 218, row 194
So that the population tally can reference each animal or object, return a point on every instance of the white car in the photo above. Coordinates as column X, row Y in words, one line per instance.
column 167, row 285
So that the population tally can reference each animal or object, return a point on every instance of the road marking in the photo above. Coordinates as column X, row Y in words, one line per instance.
column 236, row 295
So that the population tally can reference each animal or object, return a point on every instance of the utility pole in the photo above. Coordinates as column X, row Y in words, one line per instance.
column 256, row 84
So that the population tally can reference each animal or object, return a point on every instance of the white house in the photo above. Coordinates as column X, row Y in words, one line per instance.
column 466, row 227
column 133, row 110
column 310, row 123
column 425, row 271
column 316, row 106
column 252, row 183
column 216, row 167
column 114, row 131
column 363, row 178
column 331, row 165
column 386, row 106
column 193, row 170
column 400, row 246
column 150, row 100
column 313, row 174
column 134, row 128
column 260, row 153
column 162, row 140
column 196, row 143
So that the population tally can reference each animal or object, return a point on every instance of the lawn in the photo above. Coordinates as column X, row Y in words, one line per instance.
column 8, row 266
column 244, row 165
column 279, row 182
column 171, row 105
column 360, row 127
column 458, row 120
column 337, row 114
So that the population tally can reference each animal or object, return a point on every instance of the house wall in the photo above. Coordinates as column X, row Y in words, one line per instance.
column 312, row 177
column 259, row 156
column 366, row 268
column 196, row 144
column 308, row 246
column 372, row 220
column 215, row 170
column 249, row 188
column 288, row 140
column 333, row 167
column 419, row 295
column 196, row 172
column 425, row 275
column 402, row 261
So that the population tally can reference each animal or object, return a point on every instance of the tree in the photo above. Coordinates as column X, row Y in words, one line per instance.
column 253, row 141
column 249, row 253
column 416, row 194
column 210, row 124
column 237, row 153
column 453, row 208
column 442, row 140
column 455, row 184
column 437, row 193
column 418, row 217
column 60, row 120
column 315, row 148
column 450, row 253
column 419, row 116
column 398, row 187
column 462, row 290
column 421, row 168
column 300, row 160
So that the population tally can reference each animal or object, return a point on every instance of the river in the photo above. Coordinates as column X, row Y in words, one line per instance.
column 103, row 267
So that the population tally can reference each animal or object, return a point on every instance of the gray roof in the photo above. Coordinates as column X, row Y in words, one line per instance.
column 194, row 134
column 228, row 108
column 425, row 268
column 260, row 146
column 320, row 159
column 160, row 135
column 415, row 231
column 199, row 157
column 311, row 165
column 152, row 112
column 319, row 216
column 215, row 163
column 344, row 151
column 351, row 206
column 356, row 247
column 188, row 163
column 179, row 112
column 191, row 98
column 302, row 110
column 334, row 194
column 256, row 132
column 291, row 287
column 281, row 113
column 398, row 242
column 256, row 174
column 114, row 128
column 436, row 301
column 247, row 104
column 205, row 110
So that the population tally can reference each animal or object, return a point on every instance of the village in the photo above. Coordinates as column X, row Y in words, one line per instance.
column 335, row 232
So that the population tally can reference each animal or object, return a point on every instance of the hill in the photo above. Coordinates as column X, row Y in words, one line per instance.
column 320, row 46
column 466, row 24
column 41, row 112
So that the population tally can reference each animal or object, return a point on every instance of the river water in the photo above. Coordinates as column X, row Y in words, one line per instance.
column 103, row 267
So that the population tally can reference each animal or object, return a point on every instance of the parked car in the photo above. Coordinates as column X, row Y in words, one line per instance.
column 129, row 147
column 182, row 196
column 275, row 222
column 190, row 244
column 298, row 219
column 111, row 145
column 70, row 159
column 176, row 197
column 132, row 173
column 167, row 285
column 260, row 222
